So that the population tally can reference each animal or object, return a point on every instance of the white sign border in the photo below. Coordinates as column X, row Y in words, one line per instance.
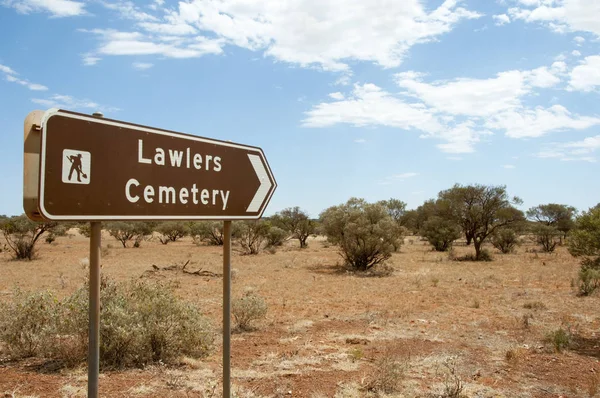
column 55, row 111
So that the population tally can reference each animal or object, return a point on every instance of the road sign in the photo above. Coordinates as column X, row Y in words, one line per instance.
column 98, row 169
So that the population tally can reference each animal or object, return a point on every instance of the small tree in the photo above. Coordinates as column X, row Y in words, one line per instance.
column 440, row 233
column 297, row 222
column 171, row 231
column 365, row 232
column 480, row 210
column 276, row 236
column 505, row 240
column 21, row 235
column 252, row 235
column 395, row 208
column 546, row 236
column 585, row 243
column 559, row 216
column 129, row 231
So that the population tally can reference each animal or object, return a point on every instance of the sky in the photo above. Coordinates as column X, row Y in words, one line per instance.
column 348, row 98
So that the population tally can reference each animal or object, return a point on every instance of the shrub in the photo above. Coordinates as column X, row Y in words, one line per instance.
column 276, row 237
column 484, row 255
column 585, row 243
column 247, row 309
column 210, row 232
column 589, row 279
column 560, row 339
column 129, row 231
column 21, row 235
column 296, row 222
column 364, row 232
column 546, row 236
column 505, row 240
column 440, row 233
column 27, row 323
column 141, row 323
column 387, row 375
column 252, row 235
column 170, row 231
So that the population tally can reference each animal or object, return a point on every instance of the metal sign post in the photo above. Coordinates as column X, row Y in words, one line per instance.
column 226, row 309
column 94, row 310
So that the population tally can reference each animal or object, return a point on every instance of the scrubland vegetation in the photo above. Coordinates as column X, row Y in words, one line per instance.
column 301, row 279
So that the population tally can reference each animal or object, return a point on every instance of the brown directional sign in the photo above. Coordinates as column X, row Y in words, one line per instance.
column 100, row 169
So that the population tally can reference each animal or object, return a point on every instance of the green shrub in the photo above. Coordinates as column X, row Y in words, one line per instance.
column 560, row 339
column 546, row 236
column 584, row 242
column 484, row 255
column 28, row 323
column 129, row 231
column 589, row 279
column 252, row 235
column 21, row 235
column 440, row 233
column 365, row 233
column 248, row 309
column 171, row 231
column 276, row 236
column 141, row 323
column 505, row 240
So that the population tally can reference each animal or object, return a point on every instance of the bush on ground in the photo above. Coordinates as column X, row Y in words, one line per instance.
column 364, row 232
column 126, row 232
column 21, row 235
column 171, row 231
column 505, row 240
column 247, row 309
column 584, row 242
column 252, row 235
column 142, row 323
column 440, row 233
column 546, row 236
column 296, row 222
column 27, row 323
column 276, row 236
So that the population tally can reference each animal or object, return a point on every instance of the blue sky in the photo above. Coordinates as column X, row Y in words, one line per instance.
column 374, row 99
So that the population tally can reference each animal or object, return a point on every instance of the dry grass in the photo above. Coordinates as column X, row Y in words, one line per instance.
column 326, row 330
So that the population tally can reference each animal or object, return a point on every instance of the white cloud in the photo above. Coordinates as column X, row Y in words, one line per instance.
column 480, row 97
column 128, row 10
column 579, row 40
column 586, row 76
column 509, row 166
column 459, row 112
column 57, row 8
column 576, row 53
column 90, row 60
column 11, row 76
column 337, row 95
column 326, row 34
column 396, row 178
column 561, row 15
column 530, row 123
column 142, row 65
column 179, row 29
column 360, row 140
column 7, row 70
column 369, row 105
column 71, row 103
column 576, row 150
column 135, row 43
column 501, row 19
